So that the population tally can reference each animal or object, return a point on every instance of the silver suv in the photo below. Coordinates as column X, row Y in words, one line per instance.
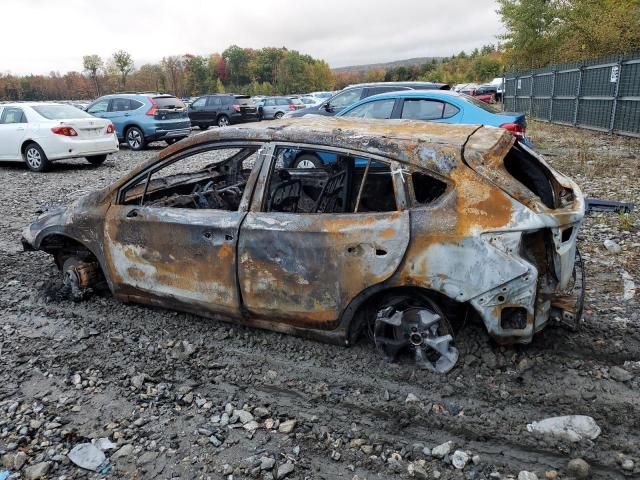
column 276, row 107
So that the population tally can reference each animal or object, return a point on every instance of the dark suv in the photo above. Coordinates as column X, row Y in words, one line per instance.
column 353, row 93
column 222, row 110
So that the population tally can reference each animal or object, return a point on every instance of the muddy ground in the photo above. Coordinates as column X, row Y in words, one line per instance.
column 164, row 386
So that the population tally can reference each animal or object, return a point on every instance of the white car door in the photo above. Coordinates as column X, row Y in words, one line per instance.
column 13, row 128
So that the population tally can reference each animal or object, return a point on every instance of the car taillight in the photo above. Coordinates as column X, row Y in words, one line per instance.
column 154, row 107
column 66, row 131
column 516, row 129
column 110, row 128
column 292, row 106
column 236, row 107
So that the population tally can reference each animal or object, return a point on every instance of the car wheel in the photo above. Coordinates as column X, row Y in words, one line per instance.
column 96, row 159
column 278, row 115
column 203, row 126
column 171, row 141
column 35, row 158
column 414, row 325
column 135, row 139
column 223, row 121
column 308, row 160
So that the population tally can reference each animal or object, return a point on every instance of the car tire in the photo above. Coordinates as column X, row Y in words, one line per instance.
column 278, row 115
column 223, row 121
column 171, row 141
column 203, row 126
column 35, row 158
column 134, row 138
column 308, row 160
column 96, row 159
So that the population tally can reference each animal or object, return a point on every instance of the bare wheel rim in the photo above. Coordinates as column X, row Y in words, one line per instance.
column 306, row 164
column 223, row 122
column 34, row 159
column 423, row 332
column 134, row 139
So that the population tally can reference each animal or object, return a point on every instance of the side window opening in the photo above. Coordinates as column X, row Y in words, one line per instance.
column 427, row 189
column 213, row 179
column 316, row 181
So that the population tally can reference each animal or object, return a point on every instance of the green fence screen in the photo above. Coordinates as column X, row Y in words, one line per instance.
column 601, row 94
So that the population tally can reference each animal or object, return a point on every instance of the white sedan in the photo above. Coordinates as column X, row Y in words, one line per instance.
column 39, row 133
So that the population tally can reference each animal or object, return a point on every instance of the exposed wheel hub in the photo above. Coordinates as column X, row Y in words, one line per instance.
column 421, row 332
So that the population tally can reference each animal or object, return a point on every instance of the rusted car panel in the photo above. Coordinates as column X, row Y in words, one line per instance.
column 500, row 237
column 316, row 264
column 183, row 255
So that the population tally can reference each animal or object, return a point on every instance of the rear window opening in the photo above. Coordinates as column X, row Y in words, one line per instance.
column 426, row 188
column 532, row 174
column 61, row 112
column 168, row 103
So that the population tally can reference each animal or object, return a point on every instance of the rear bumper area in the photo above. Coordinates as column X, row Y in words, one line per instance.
column 552, row 287
column 62, row 148
column 244, row 117
column 161, row 134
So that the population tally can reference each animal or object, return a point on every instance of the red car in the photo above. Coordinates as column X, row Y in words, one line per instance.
column 486, row 93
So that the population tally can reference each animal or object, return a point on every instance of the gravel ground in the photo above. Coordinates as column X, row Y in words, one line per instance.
column 181, row 396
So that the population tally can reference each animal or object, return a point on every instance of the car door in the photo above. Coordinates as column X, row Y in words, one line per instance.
column 99, row 108
column 429, row 110
column 13, row 129
column 196, row 109
column 212, row 109
column 166, row 247
column 269, row 107
column 315, row 238
column 119, row 112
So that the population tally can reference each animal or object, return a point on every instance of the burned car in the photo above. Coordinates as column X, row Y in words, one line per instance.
column 406, row 227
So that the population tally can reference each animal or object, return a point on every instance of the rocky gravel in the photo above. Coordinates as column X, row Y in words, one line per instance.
column 161, row 394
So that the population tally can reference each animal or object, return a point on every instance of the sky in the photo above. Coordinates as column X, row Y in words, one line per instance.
column 50, row 35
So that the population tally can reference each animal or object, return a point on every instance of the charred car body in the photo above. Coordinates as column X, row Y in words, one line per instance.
column 412, row 225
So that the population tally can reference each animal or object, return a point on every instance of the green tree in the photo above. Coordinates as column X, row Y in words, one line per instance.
column 124, row 63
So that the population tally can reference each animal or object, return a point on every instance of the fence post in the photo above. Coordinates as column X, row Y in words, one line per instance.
column 575, row 110
column 531, row 95
column 553, row 91
column 612, row 119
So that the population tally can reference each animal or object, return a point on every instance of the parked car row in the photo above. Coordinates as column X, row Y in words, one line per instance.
column 137, row 119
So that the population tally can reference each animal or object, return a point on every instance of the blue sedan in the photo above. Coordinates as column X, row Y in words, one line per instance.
column 442, row 106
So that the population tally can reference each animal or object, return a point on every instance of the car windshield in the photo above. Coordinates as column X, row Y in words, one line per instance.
column 478, row 103
column 168, row 102
column 60, row 112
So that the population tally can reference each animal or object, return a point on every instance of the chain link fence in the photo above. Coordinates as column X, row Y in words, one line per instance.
column 601, row 94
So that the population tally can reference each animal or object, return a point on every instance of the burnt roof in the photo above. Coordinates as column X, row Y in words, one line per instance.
column 436, row 146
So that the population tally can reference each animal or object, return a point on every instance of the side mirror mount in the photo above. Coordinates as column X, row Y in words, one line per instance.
column 327, row 106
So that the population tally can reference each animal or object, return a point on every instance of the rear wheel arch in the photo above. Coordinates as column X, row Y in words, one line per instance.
column 363, row 308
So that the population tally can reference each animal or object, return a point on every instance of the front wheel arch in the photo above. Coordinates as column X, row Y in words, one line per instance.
column 62, row 246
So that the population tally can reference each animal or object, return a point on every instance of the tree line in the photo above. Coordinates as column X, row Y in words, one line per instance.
column 546, row 32
column 265, row 71
column 480, row 65
column 537, row 33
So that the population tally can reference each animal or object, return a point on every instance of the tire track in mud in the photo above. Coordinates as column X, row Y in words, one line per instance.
column 392, row 421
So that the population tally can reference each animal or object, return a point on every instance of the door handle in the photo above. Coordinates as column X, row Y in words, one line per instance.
column 127, row 114
column 133, row 213
column 20, row 129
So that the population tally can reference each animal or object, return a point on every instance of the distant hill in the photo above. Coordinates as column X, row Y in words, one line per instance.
column 384, row 66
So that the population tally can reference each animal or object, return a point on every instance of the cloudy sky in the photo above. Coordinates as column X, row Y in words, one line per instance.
column 54, row 35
